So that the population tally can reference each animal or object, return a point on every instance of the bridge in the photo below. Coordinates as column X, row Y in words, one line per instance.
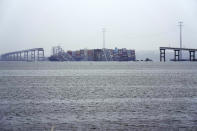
column 35, row 54
column 177, row 53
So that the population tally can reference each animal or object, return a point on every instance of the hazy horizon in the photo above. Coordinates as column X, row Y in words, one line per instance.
column 77, row 24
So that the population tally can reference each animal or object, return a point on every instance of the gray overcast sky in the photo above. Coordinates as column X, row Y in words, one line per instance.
column 75, row 24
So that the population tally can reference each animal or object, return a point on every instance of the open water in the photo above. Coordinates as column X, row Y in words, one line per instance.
column 98, row 96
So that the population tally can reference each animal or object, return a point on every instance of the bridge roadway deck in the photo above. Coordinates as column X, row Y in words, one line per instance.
column 174, row 48
column 34, row 49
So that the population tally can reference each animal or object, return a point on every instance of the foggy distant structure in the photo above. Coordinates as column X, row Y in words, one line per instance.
column 57, row 50
column 35, row 54
column 180, row 25
column 104, row 30
column 104, row 51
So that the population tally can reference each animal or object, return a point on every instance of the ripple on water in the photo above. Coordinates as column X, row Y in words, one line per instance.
column 98, row 96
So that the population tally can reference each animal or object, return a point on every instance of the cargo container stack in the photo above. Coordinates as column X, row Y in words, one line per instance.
column 90, row 55
column 93, row 54
column 97, row 55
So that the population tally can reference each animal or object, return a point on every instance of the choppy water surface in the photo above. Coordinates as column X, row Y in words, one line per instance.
column 98, row 96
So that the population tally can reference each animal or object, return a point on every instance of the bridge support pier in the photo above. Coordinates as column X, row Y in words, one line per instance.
column 14, row 57
column 162, row 55
column 176, row 55
column 17, row 56
column 192, row 55
column 20, row 56
column 40, row 55
column 33, row 56
column 26, row 56
column 8, row 57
